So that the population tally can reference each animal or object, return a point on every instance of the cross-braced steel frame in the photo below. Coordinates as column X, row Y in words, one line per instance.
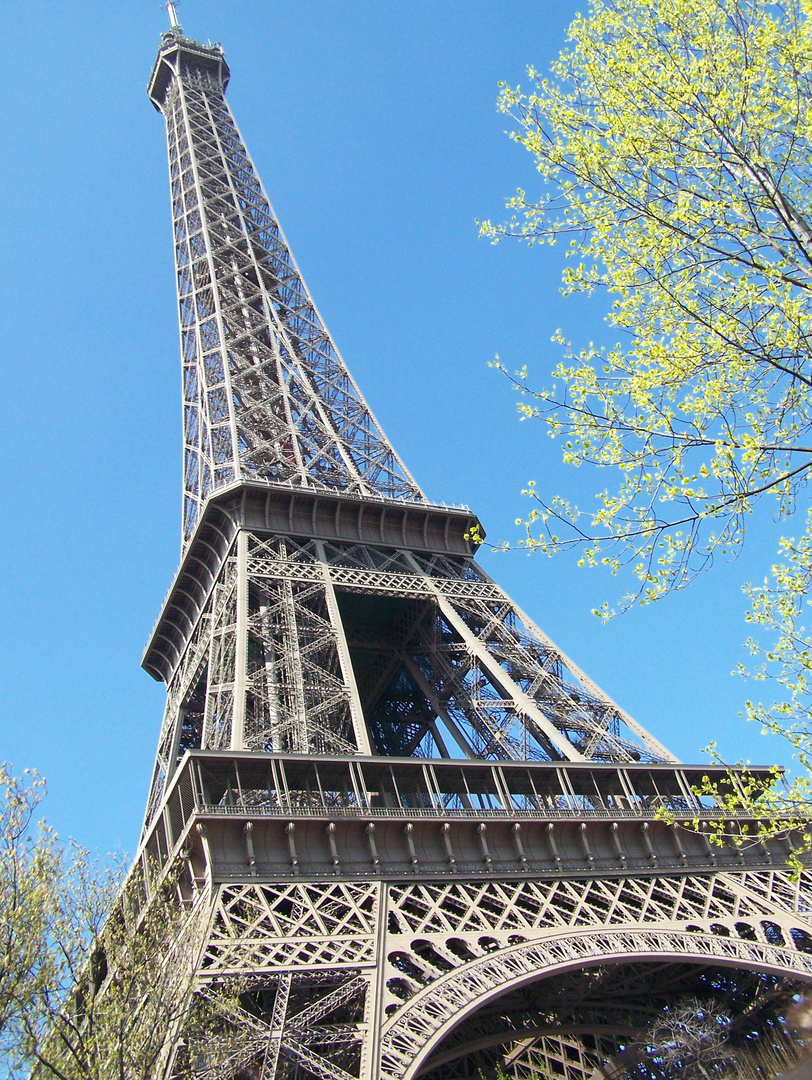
column 265, row 392
column 417, row 838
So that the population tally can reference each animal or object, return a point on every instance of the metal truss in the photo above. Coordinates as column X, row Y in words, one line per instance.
column 311, row 647
column 265, row 392
column 604, row 1010
column 350, row 980
column 412, row 837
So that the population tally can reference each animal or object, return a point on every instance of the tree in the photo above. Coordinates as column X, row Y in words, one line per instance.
column 673, row 141
column 689, row 1039
column 125, row 988
column 28, row 867
column 95, row 980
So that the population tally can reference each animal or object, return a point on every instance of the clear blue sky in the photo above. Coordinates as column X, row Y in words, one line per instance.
column 375, row 131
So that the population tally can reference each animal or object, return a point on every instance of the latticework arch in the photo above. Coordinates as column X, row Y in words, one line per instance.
column 411, row 1036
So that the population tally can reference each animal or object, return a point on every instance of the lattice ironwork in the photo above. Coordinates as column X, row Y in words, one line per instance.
column 316, row 648
column 264, row 928
column 522, row 975
column 438, row 928
column 265, row 392
column 606, row 1014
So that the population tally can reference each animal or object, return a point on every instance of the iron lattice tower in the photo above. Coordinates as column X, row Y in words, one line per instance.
column 422, row 839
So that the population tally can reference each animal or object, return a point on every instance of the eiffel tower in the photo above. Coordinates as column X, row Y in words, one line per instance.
column 418, row 837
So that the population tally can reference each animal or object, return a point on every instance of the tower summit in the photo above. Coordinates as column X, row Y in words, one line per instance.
column 423, row 840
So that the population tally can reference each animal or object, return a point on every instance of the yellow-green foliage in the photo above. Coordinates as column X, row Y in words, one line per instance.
column 30, row 861
column 674, row 141
column 91, row 986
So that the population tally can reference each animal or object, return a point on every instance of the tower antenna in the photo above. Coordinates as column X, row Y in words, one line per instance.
column 171, row 7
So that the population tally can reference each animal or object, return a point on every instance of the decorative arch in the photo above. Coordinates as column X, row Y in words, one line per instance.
column 419, row 1025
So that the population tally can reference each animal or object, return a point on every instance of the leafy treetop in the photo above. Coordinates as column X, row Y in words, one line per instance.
column 673, row 140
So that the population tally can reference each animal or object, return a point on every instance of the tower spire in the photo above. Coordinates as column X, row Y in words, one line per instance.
column 171, row 9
